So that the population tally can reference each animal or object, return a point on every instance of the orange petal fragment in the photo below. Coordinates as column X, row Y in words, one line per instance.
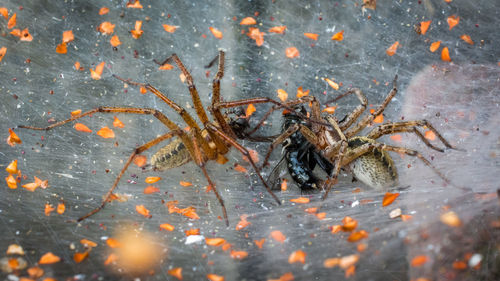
column 167, row 226
column 434, row 46
column 185, row 183
column 330, row 109
column 254, row 155
column 239, row 255
column 292, row 52
column 103, row 11
column 151, row 179
column 111, row 259
column 217, row 33
column 248, row 21
column 300, row 200
column 137, row 32
column 397, row 137
column 190, row 212
column 451, row 219
column 250, row 110
column 34, row 272
column 106, row 133
column 284, row 185
column 240, row 168
column 76, row 112
column 257, row 35
column 117, row 123
column 215, row 277
column 166, row 67
column 339, row 36
column 135, row 5
column 389, row 198
column 459, row 265
column 61, row 208
column 313, row 36
column 331, row 262
column 379, row 119
column 332, row 84
column 107, row 28
column 392, row 49
column 49, row 258
column 77, row 67
column 445, row 54
column 453, row 21
column 285, row 277
column 32, row 186
column 348, row 261
column 176, row 272
column 169, row 28
column 430, row 135
column 297, row 256
column 143, row 211
column 282, row 95
column 68, row 36
column 424, row 26
column 278, row 29
column 357, row 235
column 113, row 243
column 115, row 41
column 12, row 21
column 48, row 209
column 278, row 236
column 349, row 224
column 301, row 93
column 3, row 50
column 151, row 189
column 259, row 243
column 12, row 139
column 192, row 231
column 96, row 75
column 4, row 12
column 215, row 241
column 61, row 48
column 11, row 182
column 467, row 39
column 12, row 167
column 419, row 261
column 88, row 243
column 141, row 161
column 79, row 257
column 242, row 223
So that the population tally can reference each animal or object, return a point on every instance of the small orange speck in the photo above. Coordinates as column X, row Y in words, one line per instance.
column 392, row 49
column 185, row 183
column 239, row 168
column 389, row 198
column 137, row 31
column 242, row 223
column 76, row 112
column 278, row 236
column 419, row 261
column 103, row 11
column 397, row 137
column 61, row 208
column 143, row 211
column 339, row 36
column 12, row 139
column 451, row 219
column 12, row 21
column 3, row 50
column 248, row 21
column 259, row 243
column 379, row 119
column 292, row 52
column 169, row 28
column 68, row 36
column 278, row 29
column 300, row 200
column 217, row 33
column 467, row 39
column 4, row 12
column 301, row 93
column 284, row 185
column 79, row 257
column 239, row 255
column 357, row 235
column 152, row 179
column 12, row 167
column 331, row 262
column 77, row 65
column 135, row 5
column 96, row 74
column 215, row 277
column 176, row 272
column 330, row 109
column 61, row 48
column 115, row 41
column 434, row 46
column 297, row 256
column 313, row 36
column 118, row 123
column 282, row 95
column 107, row 28
column 453, row 20
column 88, row 243
column 151, row 189
column 192, row 231
column 106, row 133
column 11, row 182
column 215, row 241
column 113, row 243
column 332, row 84
column 424, row 26
column 167, row 226
column 49, row 258
column 257, row 35
column 430, row 135
column 445, row 54
column 250, row 110
column 141, row 161
column 110, row 259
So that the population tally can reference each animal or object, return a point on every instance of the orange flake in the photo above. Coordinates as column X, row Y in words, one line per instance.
column 135, row 5
column 12, row 139
column 239, row 255
column 361, row 247
column 111, row 259
column 300, row 200
column 389, row 198
column 257, row 35
column 61, row 208
column 141, row 161
column 321, row 215
column 248, row 21
column 459, row 265
column 448, row 1
column 331, row 262
column 259, row 243
column 151, row 189
column 406, row 217
column 445, row 54
column 4, row 12
column 278, row 29
column 254, row 155
column 292, row 52
column 115, row 41
column 226, row 246
column 88, row 243
column 350, row 271
column 12, row 21
column 96, row 75
column 419, row 261
column 336, row 228
column 348, row 261
column 392, row 49
column 250, row 110
column 397, row 137
column 12, row 167
column 330, row 109
column 137, row 32
column 3, row 50
column 215, row 277
column 143, row 211
column 240, row 168
column 452, row 21
column 11, row 182
column 297, row 256
column 176, row 272
column 170, row 28
column 189, row 212
column 311, row 210
column 217, row 33
column 32, row 186
column 166, row 67
column 113, row 243
column 301, row 93
column 76, row 112
column 103, row 11
column 49, row 258
column 68, row 36
column 434, row 46
column 77, row 66
column 243, row 222
column 192, row 231
column 143, row 90
column 451, row 219
column 430, row 135
column 107, row 28
column 106, row 133
column 35, row 272
column 117, row 123
column 349, row 224
column 285, row 277
column 313, row 36
column 379, row 119
column 185, row 183
column 339, row 36
column 284, row 185
column 79, row 257
column 331, row 83
column 424, row 26
column 48, row 209
column 151, row 179
column 215, row 241
column 278, row 236
column 282, row 95
column 167, row 226
column 358, row 235
column 467, row 39
column 61, row 48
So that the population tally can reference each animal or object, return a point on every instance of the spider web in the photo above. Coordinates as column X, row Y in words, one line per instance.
column 460, row 99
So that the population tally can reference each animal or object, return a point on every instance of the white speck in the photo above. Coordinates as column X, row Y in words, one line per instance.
column 66, row 176
column 191, row 239
column 355, row 204
column 475, row 260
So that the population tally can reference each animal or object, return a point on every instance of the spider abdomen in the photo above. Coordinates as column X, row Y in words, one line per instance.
column 375, row 168
column 171, row 156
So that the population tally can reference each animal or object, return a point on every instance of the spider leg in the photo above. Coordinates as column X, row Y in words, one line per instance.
column 279, row 140
column 137, row 151
column 409, row 126
column 354, row 115
column 245, row 153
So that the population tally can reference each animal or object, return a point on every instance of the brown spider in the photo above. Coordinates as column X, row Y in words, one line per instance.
column 342, row 148
column 210, row 141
